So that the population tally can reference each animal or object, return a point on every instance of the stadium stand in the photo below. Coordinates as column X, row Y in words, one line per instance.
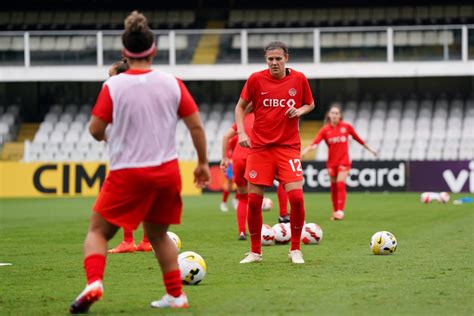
column 9, row 123
column 411, row 129
column 361, row 16
column 86, row 20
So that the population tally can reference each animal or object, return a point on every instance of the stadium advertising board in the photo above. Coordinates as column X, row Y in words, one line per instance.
column 66, row 179
column 364, row 176
column 437, row 176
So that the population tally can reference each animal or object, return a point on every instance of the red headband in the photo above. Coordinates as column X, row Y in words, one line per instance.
column 143, row 54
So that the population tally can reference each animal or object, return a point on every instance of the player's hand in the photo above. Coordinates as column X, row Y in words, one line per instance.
column 293, row 112
column 202, row 175
column 244, row 140
column 374, row 153
column 224, row 163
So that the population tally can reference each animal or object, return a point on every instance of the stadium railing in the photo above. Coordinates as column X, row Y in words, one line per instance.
column 244, row 46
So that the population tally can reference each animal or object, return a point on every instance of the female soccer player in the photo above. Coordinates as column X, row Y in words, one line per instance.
column 336, row 135
column 128, row 243
column 239, row 161
column 144, row 183
column 229, row 176
column 279, row 96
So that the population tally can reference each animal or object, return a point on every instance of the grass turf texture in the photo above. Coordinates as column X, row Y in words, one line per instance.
column 431, row 272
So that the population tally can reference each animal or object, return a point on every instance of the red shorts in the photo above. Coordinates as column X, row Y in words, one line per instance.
column 281, row 162
column 150, row 194
column 238, row 169
column 334, row 170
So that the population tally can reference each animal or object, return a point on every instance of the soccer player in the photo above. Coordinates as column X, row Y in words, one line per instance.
column 239, row 161
column 128, row 243
column 144, row 183
column 336, row 135
column 279, row 96
column 229, row 177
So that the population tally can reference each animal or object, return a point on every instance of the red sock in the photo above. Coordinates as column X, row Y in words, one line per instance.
column 255, row 221
column 282, row 200
column 94, row 265
column 341, row 195
column 296, row 217
column 334, row 196
column 145, row 238
column 225, row 195
column 173, row 284
column 242, row 212
column 127, row 235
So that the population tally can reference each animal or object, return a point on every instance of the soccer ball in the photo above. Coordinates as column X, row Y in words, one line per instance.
column 175, row 238
column 444, row 197
column 192, row 266
column 383, row 243
column 282, row 233
column 311, row 234
column 268, row 235
column 267, row 204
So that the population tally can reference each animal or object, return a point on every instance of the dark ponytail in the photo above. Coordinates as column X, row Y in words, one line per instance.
column 137, row 36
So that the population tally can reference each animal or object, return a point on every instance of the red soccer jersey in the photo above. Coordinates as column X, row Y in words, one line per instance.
column 241, row 152
column 233, row 143
column 337, row 140
column 271, row 98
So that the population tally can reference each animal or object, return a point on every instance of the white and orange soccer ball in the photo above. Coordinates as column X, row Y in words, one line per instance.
column 175, row 238
column 383, row 243
column 192, row 266
column 282, row 233
column 267, row 204
column 311, row 234
column 268, row 235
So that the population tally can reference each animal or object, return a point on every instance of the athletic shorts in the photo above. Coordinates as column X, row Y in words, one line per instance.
column 334, row 170
column 279, row 162
column 150, row 194
column 238, row 168
column 229, row 175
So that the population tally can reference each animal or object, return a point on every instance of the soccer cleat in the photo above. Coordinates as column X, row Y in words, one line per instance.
column 337, row 216
column 235, row 203
column 168, row 301
column 123, row 247
column 252, row 257
column 284, row 219
column 144, row 246
column 242, row 236
column 91, row 294
column 296, row 256
column 224, row 207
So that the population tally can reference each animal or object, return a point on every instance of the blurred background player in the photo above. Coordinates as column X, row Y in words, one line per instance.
column 336, row 133
column 144, row 181
column 228, row 185
column 128, row 243
column 279, row 96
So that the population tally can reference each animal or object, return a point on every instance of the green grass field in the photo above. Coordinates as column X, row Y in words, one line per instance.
column 430, row 274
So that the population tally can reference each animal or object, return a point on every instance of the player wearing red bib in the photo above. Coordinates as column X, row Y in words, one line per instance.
column 279, row 96
column 141, row 107
column 336, row 134
column 228, row 185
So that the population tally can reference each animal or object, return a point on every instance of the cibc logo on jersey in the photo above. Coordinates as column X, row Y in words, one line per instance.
column 274, row 103
column 337, row 139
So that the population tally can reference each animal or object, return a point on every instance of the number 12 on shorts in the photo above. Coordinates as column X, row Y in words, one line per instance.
column 295, row 165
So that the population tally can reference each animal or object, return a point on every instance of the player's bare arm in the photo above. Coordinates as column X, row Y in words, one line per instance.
column 240, row 110
column 202, row 174
column 97, row 128
column 225, row 147
column 305, row 109
column 309, row 148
